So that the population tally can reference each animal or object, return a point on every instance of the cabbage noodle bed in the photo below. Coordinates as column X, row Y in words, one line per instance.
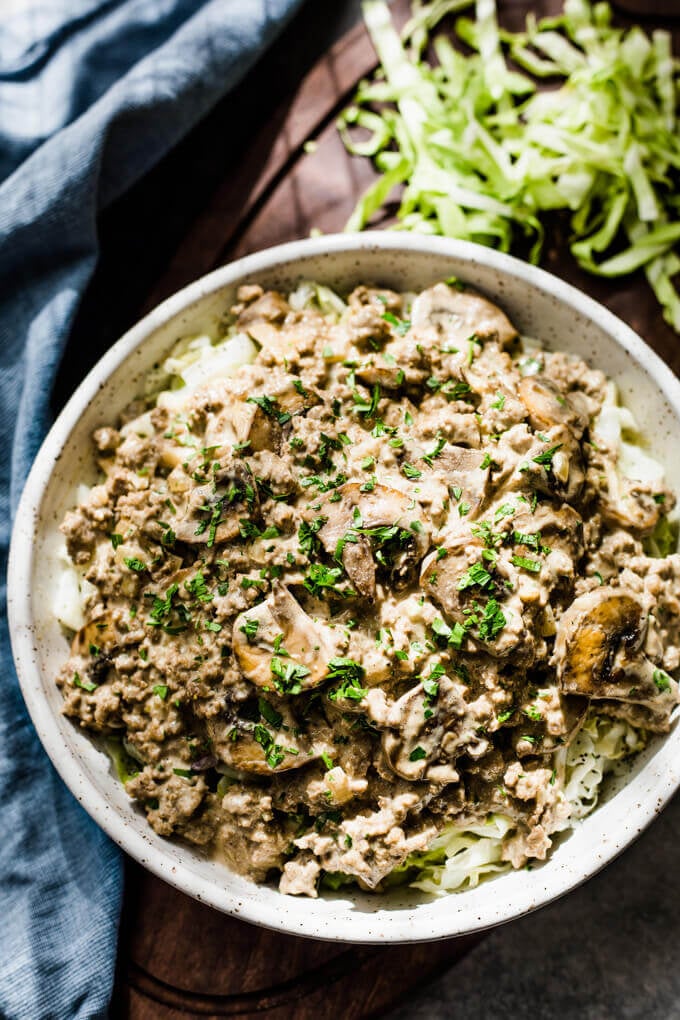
column 459, row 858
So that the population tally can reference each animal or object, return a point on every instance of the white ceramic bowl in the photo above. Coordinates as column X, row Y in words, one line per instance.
column 541, row 306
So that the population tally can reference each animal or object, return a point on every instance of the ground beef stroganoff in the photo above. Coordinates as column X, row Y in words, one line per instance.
column 371, row 592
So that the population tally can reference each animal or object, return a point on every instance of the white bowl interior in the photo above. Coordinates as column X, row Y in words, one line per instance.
column 541, row 307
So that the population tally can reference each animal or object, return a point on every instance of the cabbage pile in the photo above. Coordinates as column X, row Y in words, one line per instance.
column 483, row 155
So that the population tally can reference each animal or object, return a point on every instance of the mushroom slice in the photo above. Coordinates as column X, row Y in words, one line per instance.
column 99, row 634
column 270, row 307
column 547, row 406
column 598, row 652
column 276, row 744
column 361, row 527
column 558, row 529
column 630, row 504
column 480, row 606
column 426, row 736
column 211, row 513
column 279, row 646
column 455, row 315
column 394, row 376
column 260, row 419
column 462, row 552
column 556, row 466
column 462, row 468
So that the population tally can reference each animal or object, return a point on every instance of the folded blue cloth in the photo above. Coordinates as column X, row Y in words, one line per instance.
column 92, row 94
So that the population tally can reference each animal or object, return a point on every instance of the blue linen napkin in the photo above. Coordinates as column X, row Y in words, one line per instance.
column 92, row 94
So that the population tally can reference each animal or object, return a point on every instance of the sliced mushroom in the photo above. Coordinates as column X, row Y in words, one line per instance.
column 264, row 748
column 270, row 306
column 357, row 511
column 99, row 633
column 630, row 504
column 455, row 315
column 556, row 465
column 441, row 578
column 286, row 634
column 426, row 736
column 466, row 478
column 211, row 513
column 393, row 376
column 261, row 419
column 547, row 406
column 558, row 529
column 599, row 652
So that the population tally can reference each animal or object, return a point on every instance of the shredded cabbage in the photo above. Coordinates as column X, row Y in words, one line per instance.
column 460, row 858
column 482, row 155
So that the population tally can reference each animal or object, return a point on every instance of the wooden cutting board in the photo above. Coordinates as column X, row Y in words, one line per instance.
column 177, row 957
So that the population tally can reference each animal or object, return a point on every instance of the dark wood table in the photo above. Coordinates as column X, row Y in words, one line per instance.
column 242, row 181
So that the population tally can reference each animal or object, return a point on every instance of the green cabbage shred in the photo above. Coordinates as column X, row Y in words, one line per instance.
column 483, row 155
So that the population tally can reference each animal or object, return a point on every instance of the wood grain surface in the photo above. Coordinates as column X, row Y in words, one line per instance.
column 178, row 958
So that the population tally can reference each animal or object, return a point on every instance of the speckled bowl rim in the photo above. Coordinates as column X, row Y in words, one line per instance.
column 412, row 924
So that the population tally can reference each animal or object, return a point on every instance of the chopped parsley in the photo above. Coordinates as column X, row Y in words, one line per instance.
column 476, row 575
column 271, row 408
column 530, row 540
column 492, row 622
column 134, row 563
column 350, row 674
column 546, row 458
column 417, row 754
column 400, row 326
column 523, row 561
column 307, row 532
column 288, row 676
column 661, row 680
column 269, row 713
column 86, row 685
column 198, row 588
column 437, row 449
column 321, row 579
column 273, row 753
column 249, row 627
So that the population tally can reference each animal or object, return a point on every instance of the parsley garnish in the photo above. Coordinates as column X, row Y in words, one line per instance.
column 134, row 564
column 351, row 674
column 522, row 561
column 269, row 713
column 530, row 540
column 320, row 578
column 546, row 457
column 661, row 680
column 434, row 453
column 288, row 675
column 400, row 326
column 198, row 588
column 477, row 574
column 273, row 753
column 492, row 622
column 86, row 685
column 417, row 754
column 270, row 407
column 249, row 628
